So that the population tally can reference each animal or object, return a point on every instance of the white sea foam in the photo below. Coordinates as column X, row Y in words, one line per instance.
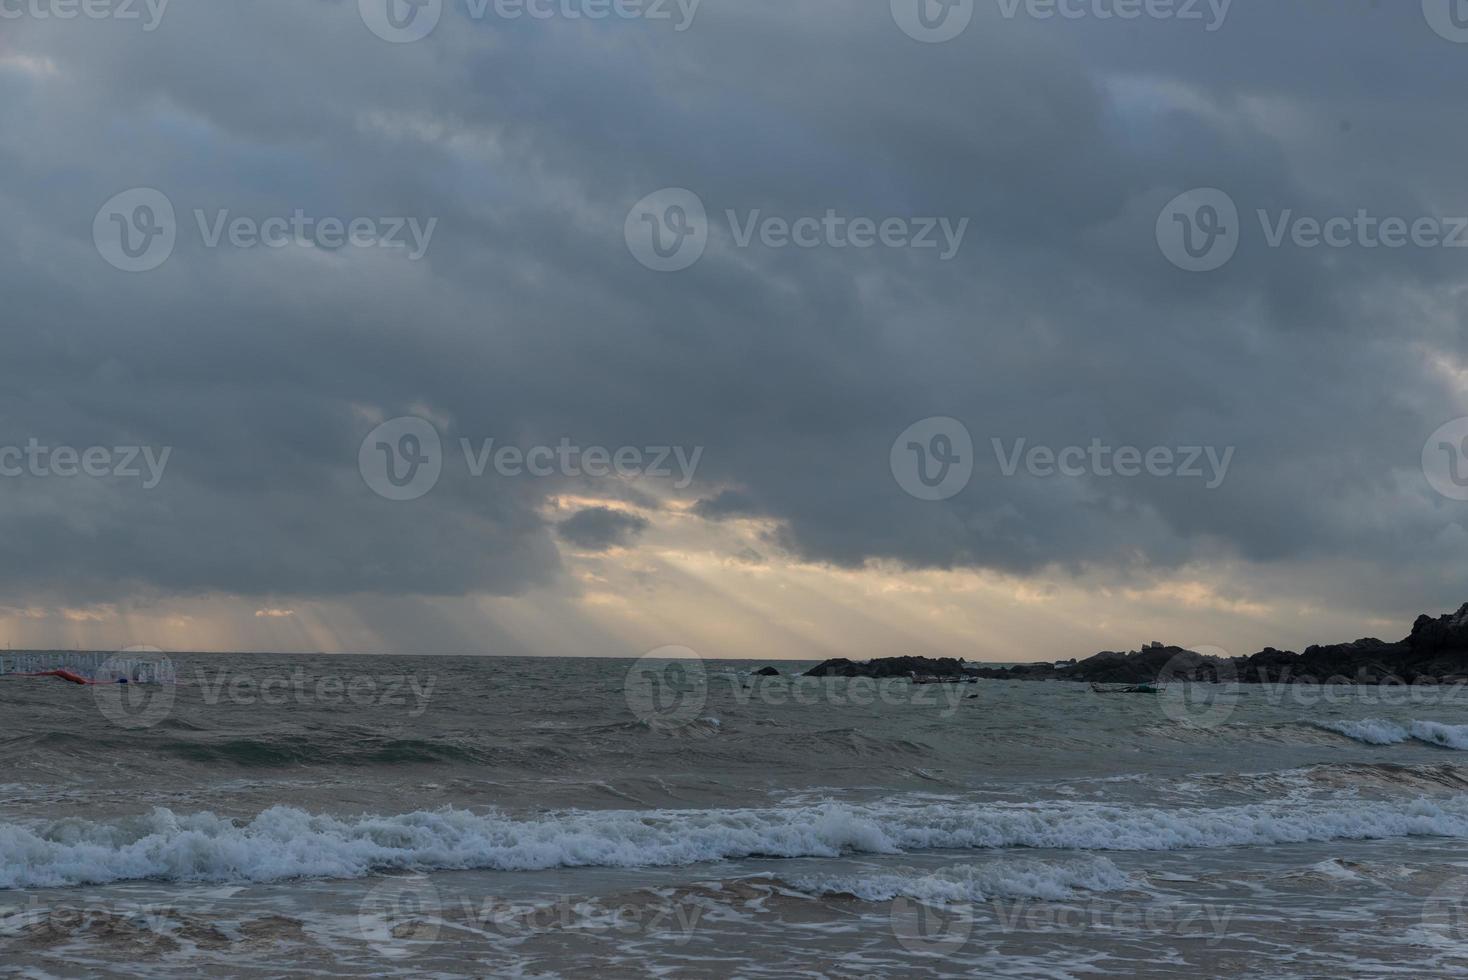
column 1046, row 880
column 285, row 842
column 1377, row 731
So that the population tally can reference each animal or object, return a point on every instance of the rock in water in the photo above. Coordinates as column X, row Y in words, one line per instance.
column 889, row 667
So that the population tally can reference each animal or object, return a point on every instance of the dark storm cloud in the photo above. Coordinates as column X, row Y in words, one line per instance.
column 601, row 528
column 1058, row 321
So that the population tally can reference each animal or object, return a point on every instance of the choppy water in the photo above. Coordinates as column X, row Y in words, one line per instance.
column 471, row 817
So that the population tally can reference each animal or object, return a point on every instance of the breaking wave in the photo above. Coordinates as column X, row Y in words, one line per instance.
column 1376, row 731
column 286, row 842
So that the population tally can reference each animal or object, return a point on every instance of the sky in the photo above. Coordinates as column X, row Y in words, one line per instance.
column 998, row 329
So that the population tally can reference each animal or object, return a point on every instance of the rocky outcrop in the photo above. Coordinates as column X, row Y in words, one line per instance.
column 767, row 672
column 889, row 667
column 1366, row 661
column 1142, row 667
column 1446, row 635
column 1436, row 650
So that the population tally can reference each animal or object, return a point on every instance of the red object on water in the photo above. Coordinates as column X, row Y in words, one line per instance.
column 65, row 675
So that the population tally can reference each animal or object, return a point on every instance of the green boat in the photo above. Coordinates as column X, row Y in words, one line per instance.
column 1135, row 689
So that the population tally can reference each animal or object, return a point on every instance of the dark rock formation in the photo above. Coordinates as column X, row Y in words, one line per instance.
column 1436, row 650
column 767, row 672
column 889, row 667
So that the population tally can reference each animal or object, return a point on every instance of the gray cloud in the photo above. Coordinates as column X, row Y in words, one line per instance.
column 528, row 321
column 601, row 528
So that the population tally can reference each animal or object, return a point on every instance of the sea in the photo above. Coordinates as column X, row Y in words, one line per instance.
column 336, row 816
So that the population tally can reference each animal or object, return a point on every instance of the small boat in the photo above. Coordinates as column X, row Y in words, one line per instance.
column 931, row 679
column 1134, row 689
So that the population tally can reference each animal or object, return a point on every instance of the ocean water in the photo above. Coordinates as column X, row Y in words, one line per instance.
column 465, row 817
